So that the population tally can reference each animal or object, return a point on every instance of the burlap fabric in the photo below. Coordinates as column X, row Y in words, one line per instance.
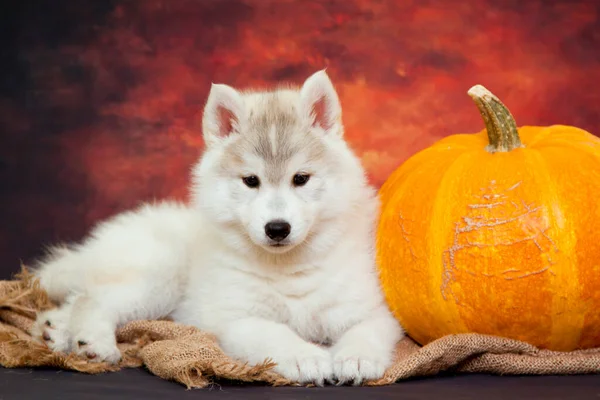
column 193, row 358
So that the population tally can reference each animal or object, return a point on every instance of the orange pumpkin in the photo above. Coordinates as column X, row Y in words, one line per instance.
column 496, row 233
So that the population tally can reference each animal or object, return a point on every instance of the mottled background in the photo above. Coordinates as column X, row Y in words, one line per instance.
column 100, row 100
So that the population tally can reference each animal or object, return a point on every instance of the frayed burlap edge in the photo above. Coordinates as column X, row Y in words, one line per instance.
column 193, row 358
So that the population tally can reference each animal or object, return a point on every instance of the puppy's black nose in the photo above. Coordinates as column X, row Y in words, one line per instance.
column 278, row 230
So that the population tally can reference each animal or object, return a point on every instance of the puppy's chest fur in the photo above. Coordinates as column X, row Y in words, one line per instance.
column 310, row 304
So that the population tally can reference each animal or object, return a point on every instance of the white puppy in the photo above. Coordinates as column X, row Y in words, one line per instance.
column 274, row 255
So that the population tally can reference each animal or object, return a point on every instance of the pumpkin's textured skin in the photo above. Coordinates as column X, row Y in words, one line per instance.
column 505, row 243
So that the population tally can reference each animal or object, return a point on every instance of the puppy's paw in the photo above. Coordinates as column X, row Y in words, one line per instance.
column 51, row 328
column 356, row 363
column 97, row 346
column 310, row 364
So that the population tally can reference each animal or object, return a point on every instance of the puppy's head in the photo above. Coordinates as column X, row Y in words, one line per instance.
column 277, row 172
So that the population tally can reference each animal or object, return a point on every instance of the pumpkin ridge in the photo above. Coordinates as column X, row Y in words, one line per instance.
column 442, row 274
column 566, row 330
column 391, row 217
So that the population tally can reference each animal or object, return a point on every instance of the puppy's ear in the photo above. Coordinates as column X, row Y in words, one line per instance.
column 320, row 102
column 223, row 114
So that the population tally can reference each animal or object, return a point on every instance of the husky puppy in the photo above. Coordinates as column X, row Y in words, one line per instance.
column 274, row 255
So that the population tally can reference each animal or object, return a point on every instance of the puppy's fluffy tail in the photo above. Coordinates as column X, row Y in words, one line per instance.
column 59, row 273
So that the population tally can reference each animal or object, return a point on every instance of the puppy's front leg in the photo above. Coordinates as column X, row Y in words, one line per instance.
column 256, row 339
column 366, row 350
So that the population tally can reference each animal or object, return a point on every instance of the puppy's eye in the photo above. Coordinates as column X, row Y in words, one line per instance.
column 300, row 179
column 251, row 181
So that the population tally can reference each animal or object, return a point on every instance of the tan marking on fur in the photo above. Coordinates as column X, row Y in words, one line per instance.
column 273, row 139
column 275, row 133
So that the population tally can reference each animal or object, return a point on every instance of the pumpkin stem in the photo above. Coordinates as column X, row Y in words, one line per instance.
column 500, row 125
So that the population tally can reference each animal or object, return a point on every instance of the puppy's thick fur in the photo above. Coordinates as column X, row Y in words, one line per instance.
column 308, row 297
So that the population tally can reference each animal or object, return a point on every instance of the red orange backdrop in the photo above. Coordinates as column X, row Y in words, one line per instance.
column 101, row 101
